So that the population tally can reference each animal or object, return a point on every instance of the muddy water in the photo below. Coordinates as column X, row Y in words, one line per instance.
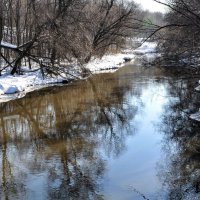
column 116, row 136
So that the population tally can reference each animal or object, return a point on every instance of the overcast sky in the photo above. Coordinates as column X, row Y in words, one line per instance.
column 151, row 5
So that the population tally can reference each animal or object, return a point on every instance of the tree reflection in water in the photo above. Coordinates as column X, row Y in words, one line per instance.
column 181, row 174
column 49, row 141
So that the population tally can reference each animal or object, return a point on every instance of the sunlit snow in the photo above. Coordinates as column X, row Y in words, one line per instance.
column 19, row 85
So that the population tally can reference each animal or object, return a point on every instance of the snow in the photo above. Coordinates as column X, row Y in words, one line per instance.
column 12, row 87
column 9, row 45
column 146, row 48
column 197, row 88
column 195, row 116
column 108, row 62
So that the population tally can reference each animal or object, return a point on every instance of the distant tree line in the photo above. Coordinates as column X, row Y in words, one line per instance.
column 150, row 22
column 62, row 30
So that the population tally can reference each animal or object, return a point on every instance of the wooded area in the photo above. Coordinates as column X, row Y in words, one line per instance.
column 179, row 38
column 47, row 32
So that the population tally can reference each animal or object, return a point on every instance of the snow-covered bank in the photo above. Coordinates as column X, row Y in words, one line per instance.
column 109, row 62
column 146, row 48
column 12, row 87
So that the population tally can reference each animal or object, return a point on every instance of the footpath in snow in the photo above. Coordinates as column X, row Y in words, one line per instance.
column 12, row 87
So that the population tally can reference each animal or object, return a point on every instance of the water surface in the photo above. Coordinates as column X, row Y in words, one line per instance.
column 123, row 135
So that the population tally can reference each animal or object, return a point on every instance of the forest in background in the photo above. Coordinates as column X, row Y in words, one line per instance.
column 57, row 30
column 179, row 38
column 49, row 33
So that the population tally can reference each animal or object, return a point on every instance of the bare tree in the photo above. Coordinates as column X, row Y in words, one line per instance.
column 60, row 30
column 179, row 39
column 111, row 23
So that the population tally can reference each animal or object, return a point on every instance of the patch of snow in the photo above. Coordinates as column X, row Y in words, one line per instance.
column 9, row 45
column 146, row 48
column 108, row 62
column 197, row 88
column 114, row 61
column 1, row 91
column 195, row 116
column 11, row 89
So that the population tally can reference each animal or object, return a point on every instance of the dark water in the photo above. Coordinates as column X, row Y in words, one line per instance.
column 117, row 136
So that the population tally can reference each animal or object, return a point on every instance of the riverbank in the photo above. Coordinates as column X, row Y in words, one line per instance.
column 13, row 87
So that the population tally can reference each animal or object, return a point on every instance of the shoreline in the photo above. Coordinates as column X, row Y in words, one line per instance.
column 14, row 87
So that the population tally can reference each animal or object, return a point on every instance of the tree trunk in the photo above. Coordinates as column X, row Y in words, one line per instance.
column 88, row 58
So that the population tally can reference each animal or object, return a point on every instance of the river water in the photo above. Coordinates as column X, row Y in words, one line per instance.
column 115, row 136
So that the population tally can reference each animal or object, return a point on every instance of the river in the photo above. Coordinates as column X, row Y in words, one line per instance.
column 115, row 136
